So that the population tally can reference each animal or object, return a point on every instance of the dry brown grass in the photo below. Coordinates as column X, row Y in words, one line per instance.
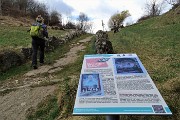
column 10, row 21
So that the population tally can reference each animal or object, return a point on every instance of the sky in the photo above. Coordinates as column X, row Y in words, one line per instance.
column 98, row 10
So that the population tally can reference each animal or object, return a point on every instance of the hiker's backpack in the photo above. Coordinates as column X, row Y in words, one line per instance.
column 36, row 30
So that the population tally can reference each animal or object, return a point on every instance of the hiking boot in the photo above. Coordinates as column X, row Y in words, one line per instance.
column 41, row 64
column 35, row 67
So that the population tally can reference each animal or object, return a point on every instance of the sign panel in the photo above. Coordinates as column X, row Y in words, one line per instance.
column 117, row 84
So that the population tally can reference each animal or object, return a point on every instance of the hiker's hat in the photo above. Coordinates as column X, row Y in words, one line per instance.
column 39, row 19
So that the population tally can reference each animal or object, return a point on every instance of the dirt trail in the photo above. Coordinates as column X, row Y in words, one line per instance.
column 70, row 57
column 14, row 104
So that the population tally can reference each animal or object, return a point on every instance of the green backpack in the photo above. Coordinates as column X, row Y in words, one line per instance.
column 36, row 31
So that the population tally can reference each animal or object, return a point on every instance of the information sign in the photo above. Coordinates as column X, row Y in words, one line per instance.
column 117, row 84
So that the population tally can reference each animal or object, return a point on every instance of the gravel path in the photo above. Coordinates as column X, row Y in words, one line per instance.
column 21, row 97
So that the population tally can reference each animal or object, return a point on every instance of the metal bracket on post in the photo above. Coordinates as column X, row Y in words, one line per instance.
column 112, row 117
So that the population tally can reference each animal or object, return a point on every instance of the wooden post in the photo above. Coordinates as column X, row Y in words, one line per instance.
column 103, row 25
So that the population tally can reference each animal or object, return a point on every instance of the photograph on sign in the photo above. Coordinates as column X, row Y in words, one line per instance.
column 127, row 65
column 91, row 85
column 96, row 62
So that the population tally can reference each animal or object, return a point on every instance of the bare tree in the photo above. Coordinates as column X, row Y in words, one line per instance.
column 70, row 25
column 55, row 18
column 22, row 5
column 6, row 7
column 173, row 2
column 34, row 9
column 117, row 19
column 18, row 8
column 89, row 27
column 83, row 19
column 154, row 8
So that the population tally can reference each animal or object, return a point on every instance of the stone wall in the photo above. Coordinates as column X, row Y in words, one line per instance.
column 57, row 28
column 102, row 44
column 11, row 58
column 53, row 42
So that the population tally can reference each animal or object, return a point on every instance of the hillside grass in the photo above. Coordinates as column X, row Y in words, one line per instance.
column 156, row 41
column 17, row 43
column 18, row 71
column 18, row 37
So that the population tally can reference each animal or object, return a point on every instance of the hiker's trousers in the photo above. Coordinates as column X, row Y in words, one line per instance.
column 38, row 44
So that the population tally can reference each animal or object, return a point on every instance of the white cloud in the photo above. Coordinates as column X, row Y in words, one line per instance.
column 99, row 10
column 102, row 9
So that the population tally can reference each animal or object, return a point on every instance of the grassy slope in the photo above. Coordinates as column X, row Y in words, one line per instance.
column 158, row 47
column 156, row 42
column 17, row 37
column 13, row 37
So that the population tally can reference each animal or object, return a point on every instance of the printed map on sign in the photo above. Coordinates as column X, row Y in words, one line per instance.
column 127, row 65
column 117, row 84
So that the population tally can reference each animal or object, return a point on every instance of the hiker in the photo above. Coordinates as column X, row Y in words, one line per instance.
column 38, row 31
